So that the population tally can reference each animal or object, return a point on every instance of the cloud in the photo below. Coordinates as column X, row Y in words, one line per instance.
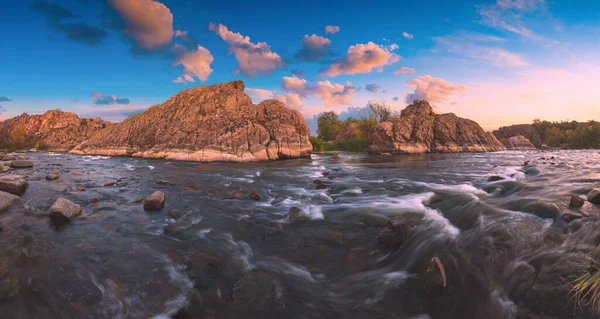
column 75, row 31
column 372, row 87
column 332, row 29
column 330, row 94
column 510, row 15
column 149, row 23
column 195, row 63
column 314, row 47
column 395, row 99
column 465, row 46
column 407, row 35
column 434, row 90
column 362, row 58
column 393, row 47
column 297, row 73
column 295, row 85
column 4, row 99
column 291, row 100
column 101, row 99
column 403, row 70
column 252, row 58
column 260, row 94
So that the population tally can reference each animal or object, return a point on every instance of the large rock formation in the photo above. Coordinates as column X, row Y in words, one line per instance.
column 60, row 131
column 525, row 130
column 211, row 123
column 419, row 130
column 518, row 143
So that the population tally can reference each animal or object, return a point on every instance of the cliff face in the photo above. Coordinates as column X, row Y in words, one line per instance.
column 419, row 130
column 61, row 131
column 525, row 130
column 519, row 143
column 212, row 123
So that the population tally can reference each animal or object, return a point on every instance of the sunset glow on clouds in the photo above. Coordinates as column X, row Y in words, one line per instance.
column 498, row 62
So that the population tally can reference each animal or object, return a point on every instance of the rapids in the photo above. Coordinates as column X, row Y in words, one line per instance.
column 510, row 248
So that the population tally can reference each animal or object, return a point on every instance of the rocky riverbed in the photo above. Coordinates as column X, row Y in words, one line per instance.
column 487, row 235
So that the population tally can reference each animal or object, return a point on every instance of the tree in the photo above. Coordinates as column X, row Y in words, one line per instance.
column 329, row 126
column 379, row 111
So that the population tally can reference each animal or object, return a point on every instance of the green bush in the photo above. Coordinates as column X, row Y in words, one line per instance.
column 317, row 143
column 350, row 145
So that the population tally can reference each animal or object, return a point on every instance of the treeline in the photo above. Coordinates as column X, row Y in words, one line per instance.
column 573, row 134
column 15, row 138
column 349, row 135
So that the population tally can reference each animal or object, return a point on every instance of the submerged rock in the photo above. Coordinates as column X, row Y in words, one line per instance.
column 109, row 183
column 254, row 196
column 65, row 208
column 576, row 201
column 272, row 230
column 7, row 200
column 52, row 177
column 396, row 231
column 322, row 184
column 495, row 178
column 225, row 126
column 21, row 164
column 297, row 215
column 156, row 201
column 419, row 130
column 594, row 196
column 434, row 282
column 255, row 289
column 14, row 184
column 164, row 182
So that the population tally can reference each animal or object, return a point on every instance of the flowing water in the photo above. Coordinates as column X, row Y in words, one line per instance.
column 510, row 248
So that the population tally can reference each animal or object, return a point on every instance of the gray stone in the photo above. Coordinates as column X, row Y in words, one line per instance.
column 21, row 164
column 594, row 196
column 7, row 200
column 65, row 208
column 8, row 158
column 156, row 201
column 14, row 184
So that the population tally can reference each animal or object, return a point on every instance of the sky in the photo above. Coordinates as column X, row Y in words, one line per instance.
column 498, row 62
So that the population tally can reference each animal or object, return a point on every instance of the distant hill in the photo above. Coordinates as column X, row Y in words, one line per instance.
column 566, row 134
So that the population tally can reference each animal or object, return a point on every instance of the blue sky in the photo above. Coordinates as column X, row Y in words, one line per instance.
column 497, row 62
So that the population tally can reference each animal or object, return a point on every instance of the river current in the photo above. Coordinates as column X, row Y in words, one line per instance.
column 510, row 248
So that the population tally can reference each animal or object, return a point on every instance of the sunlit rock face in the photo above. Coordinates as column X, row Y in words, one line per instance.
column 60, row 131
column 519, row 143
column 207, row 123
column 419, row 130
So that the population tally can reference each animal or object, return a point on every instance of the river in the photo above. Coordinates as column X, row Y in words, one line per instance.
column 509, row 248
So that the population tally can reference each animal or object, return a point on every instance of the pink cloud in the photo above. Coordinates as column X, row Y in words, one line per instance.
column 260, row 94
column 434, row 90
column 294, row 85
column 465, row 45
column 407, row 35
column 291, row 100
column 362, row 58
column 403, row 70
column 332, row 29
column 252, row 58
column 148, row 22
column 195, row 63
column 313, row 47
column 330, row 94
column 96, row 95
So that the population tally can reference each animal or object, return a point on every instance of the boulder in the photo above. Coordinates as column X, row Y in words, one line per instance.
column 21, row 164
column 156, row 201
column 64, row 208
column 254, row 196
column 205, row 124
column 255, row 289
column 518, row 143
column 14, row 184
column 109, row 183
column 60, row 131
column 495, row 178
column 396, row 231
column 576, row 201
column 525, row 130
column 419, row 130
column 594, row 196
column 52, row 177
column 433, row 280
column 297, row 215
column 7, row 200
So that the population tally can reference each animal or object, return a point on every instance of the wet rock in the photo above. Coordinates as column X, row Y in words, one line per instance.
column 14, row 184
column 495, row 178
column 297, row 215
column 8, row 158
column 175, row 213
column 542, row 209
column 238, row 194
column 396, row 231
column 335, row 157
column 594, row 196
column 164, row 182
column 156, row 201
column 52, row 177
column 322, row 184
column 79, row 188
column 4, row 168
column 21, row 164
column 385, row 154
column 254, row 290
column 576, row 201
column 254, row 196
column 571, row 217
column 65, row 208
column 109, row 183
column 434, row 278
column 272, row 230
column 7, row 200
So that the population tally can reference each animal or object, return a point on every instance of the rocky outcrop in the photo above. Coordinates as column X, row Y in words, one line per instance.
column 207, row 123
column 60, row 131
column 519, row 143
column 419, row 130
column 525, row 130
